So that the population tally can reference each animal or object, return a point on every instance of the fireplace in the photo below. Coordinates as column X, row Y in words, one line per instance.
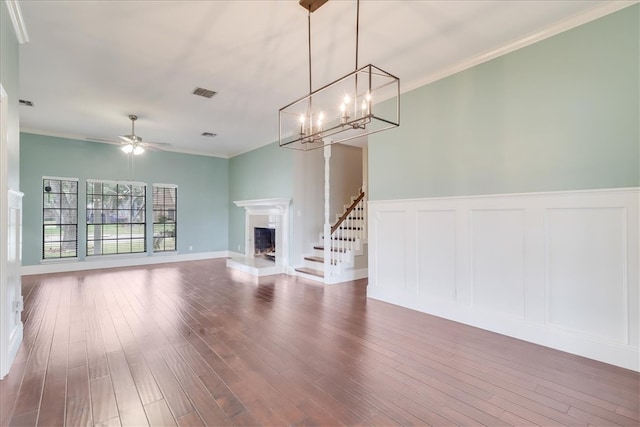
column 264, row 242
column 268, row 216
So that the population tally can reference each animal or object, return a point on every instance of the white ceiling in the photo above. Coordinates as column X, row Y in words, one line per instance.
column 89, row 64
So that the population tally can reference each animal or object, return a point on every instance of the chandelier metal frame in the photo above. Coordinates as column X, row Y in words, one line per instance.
column 344, row 109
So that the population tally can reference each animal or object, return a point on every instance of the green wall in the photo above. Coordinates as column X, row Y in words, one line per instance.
column 266, row 172
column 203, row 199
column 561, row 114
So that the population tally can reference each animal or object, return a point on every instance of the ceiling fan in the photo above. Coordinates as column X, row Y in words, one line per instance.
column 132, row 144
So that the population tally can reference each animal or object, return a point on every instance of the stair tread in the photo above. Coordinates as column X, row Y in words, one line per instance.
column 310, row 271
column 317, row 259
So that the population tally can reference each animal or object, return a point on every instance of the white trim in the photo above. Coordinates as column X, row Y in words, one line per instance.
column 18, row 22
column 164, row 185
column 346, row 276
column 598, row 11
column 13, row 194
column 261, row 204
column 560, row 193
column 119, row 262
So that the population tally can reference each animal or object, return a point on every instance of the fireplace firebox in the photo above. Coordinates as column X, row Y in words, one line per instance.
column 264, row 242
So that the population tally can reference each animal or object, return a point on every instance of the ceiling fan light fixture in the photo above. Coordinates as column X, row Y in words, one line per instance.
column 138, row 150
column 127, row 148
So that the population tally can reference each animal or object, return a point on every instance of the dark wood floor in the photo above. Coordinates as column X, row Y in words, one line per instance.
column 190, row 344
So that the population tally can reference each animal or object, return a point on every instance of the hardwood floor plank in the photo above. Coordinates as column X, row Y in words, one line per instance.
column 571, row 402
column 223, row 396
column 159, row 415
column 204, row 403
column 130, row 408
column 25, row 420
column 111, row 422
column 191, row 420
column 96, row 355
column 121, row 377
column 9, row 388
column 28, row 399
column 52, row 404
column 174, row 395
column 103, row 400
column 192, row 343
column 78, row 401
column 143, row 378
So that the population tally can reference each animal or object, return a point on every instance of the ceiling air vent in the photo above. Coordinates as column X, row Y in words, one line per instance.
column 209, row 134
column 203, row 92
column 25, row 103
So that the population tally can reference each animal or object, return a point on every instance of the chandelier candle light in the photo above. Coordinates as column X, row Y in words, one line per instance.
column 344, row 109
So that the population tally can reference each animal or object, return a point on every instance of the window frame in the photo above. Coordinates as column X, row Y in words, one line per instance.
column 130, row 235
column 47, row 211
column 159, row 226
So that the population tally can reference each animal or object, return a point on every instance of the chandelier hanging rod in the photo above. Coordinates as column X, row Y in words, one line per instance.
column 309, row 30
column 357, row 30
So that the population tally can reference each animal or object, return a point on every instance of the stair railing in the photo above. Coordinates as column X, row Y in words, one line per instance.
column 349, row 227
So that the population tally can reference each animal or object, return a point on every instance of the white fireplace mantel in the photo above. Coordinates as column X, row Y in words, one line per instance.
column 276, row 207
column 264, row 206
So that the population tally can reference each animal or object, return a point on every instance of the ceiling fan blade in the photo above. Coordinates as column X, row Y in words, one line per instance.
column 128, row 139
column 155, row 144
column 104, row 141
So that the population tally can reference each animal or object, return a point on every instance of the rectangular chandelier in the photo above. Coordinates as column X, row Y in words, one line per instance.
column 346, row 109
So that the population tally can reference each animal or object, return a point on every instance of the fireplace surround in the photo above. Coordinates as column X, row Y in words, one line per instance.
column 264, row 213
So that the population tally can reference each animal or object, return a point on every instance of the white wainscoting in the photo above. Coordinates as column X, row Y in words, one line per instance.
column 560, row 269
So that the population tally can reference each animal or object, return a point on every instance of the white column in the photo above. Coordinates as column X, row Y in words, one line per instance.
column 327, row 208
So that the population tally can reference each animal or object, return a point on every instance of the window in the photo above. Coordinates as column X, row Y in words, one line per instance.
column 115, row 217
column 165, row 202
column 59, row 218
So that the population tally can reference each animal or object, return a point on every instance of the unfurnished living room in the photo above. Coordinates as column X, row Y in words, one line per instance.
column 343, row 212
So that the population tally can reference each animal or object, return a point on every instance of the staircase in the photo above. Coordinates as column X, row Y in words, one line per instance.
column 336, row 262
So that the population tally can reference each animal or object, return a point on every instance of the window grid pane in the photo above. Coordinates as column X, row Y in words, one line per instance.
column 59, row 218
column 115, row 218
column 165, row 200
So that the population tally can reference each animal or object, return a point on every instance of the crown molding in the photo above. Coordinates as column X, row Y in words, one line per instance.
column 18, row 22
column 598, row 11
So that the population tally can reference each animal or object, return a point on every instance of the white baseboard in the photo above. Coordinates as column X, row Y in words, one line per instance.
column 15, row 340
column 560, row 269
column 117, row 261
column 347, row 276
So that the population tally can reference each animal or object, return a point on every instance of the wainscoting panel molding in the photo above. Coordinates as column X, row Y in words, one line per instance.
column 586, row 271
column 391, row 227
column 560, row 269
column 497, row 250
column 436, row 241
